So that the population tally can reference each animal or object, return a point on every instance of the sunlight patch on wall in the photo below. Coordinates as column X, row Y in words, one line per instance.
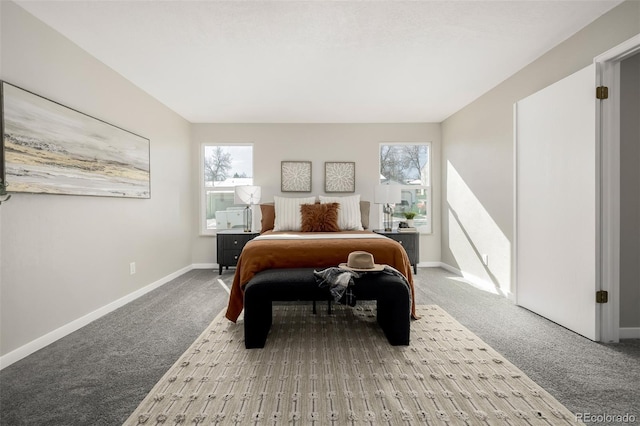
column 480, row 248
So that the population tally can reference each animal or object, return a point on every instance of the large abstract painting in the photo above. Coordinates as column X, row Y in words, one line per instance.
column 50, row 148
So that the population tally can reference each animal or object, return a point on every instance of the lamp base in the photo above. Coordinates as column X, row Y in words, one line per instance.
column 388, row 220
column 247, row 219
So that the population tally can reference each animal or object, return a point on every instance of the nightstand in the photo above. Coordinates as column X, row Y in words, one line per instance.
column 230, row 244
column 409, row 240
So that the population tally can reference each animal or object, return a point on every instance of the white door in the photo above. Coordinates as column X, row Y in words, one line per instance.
column 556, row 203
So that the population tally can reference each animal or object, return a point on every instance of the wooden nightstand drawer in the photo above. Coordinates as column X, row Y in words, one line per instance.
column 409, row 240
column 236, row 241
column 230, row 244
column 230, row 257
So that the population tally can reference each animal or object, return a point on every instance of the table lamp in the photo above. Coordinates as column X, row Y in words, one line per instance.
column 248, row 195
column 387, row 195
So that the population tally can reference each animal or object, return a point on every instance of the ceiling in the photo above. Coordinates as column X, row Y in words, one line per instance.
column 317, row 61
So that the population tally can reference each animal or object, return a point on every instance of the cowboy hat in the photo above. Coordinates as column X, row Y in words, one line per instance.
column 361, row 261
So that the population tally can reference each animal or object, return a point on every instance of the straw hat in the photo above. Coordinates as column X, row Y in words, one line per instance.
column 361, row 261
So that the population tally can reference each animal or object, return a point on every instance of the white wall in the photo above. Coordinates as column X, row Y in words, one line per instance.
column 477, row 152
column 319, row 143
column 64, row 257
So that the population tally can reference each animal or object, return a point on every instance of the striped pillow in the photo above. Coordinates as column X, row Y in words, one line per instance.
column 349, row 217
column 288, row 216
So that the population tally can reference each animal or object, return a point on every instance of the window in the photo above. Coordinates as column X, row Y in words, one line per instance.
column 223, row 167
column 409, row 165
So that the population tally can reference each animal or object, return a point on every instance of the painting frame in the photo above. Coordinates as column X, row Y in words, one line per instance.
column 339, row 176
column 295, row 176
column 50, row 148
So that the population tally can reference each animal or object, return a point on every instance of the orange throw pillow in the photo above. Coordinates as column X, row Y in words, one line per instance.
column 320, row 217
column 268, row 211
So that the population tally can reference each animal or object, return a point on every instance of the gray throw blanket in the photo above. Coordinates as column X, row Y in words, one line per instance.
column 341, row 282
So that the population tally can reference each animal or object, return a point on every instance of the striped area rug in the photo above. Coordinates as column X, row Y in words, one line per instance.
column 338, row 369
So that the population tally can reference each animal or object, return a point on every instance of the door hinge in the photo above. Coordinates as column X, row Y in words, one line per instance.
column 602, row 296
column 602, row 92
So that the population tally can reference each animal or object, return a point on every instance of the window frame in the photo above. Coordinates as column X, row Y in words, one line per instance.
column 204, row 230
column 428, row 188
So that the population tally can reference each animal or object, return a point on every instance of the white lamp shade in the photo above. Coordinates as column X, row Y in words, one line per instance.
column 247, row 194
column 387, row 194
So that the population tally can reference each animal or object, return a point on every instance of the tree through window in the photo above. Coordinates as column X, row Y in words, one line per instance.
column 223, row 168
column 409, row 165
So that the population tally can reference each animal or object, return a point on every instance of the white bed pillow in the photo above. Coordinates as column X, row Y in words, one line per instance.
column 349, row 217
column 288, row 216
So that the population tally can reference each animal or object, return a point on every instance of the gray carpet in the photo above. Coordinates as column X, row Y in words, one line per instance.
column 104, row 370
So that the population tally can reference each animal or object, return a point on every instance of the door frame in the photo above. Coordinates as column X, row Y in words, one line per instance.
column 608, row 190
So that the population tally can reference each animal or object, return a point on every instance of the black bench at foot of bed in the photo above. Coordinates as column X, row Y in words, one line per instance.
column 391, row 293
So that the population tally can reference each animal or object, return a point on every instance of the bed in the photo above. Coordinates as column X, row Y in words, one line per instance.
column 278, row 248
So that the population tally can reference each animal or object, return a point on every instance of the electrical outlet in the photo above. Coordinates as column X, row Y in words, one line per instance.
column 485, row 259
column 132, row 268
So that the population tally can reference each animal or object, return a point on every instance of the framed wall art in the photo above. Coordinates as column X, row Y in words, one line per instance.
column 339, row 176
column 295, row 176
column 50, row 148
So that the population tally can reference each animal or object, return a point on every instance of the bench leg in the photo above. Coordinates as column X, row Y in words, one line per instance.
column 394, row 317
column 328, row 306
column 257, row 323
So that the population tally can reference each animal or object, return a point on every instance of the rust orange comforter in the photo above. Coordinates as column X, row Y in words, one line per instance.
column 259, row 255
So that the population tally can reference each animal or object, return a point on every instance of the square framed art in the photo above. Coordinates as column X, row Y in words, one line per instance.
column 339, row 176
column 295, row 176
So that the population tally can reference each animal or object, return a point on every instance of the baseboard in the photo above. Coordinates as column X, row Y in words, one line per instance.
column 204, row 266
column 47, row 339
column 429, row 264
column 629, row 332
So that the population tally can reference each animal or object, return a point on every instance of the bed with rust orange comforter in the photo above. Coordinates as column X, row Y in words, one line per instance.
column 312, row 250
